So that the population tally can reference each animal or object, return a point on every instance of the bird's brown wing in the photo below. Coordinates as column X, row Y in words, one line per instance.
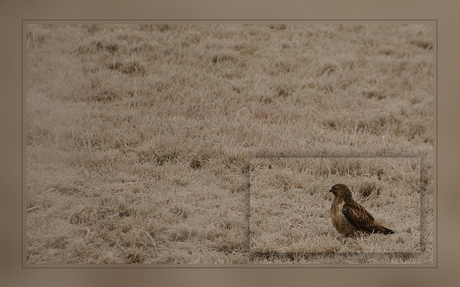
column 360, row 217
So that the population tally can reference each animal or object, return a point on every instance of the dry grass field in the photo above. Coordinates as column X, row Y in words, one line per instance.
column 217, row 144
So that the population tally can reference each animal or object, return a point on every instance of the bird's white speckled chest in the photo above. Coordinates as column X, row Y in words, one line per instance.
column 339, row 220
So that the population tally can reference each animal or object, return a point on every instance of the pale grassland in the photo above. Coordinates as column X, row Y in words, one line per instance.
column 143, row 140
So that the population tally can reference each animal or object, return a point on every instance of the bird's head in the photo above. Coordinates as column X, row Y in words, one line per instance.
column 341, row 191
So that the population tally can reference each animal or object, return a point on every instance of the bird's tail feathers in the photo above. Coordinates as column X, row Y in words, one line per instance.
column 387, row 231
column 382, row 229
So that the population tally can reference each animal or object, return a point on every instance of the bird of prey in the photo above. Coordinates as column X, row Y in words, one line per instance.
column 351, row 218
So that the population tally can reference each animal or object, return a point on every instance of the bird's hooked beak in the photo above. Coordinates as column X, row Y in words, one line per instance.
column 332, row 190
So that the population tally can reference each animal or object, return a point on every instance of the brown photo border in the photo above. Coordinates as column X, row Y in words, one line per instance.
column 444, row 13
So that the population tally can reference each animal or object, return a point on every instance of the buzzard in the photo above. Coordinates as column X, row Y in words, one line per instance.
column 350, row 217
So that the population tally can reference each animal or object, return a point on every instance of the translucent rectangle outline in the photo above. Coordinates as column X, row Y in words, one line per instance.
column 307, row 255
